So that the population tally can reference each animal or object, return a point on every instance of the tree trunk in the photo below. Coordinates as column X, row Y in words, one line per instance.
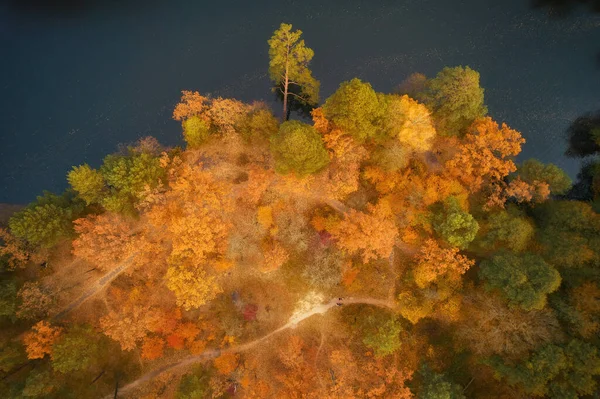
column 116, row 388
column 286, row 83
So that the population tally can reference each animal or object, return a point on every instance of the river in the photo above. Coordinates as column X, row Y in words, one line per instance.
column 77, row 81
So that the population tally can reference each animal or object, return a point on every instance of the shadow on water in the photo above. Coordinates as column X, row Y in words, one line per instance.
column 71, row 8
column 561, row 8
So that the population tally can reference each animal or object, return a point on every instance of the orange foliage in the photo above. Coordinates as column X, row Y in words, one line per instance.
column 129, row 325
column 225, row 113
column 192, row 104
column 485, row 153
column 373, row 234
column 226, row 363
column 434, row 261
column 320, row 122
column 275, row 255
column 14, row 250
column 104, row 240
column 175, row 341
column 152, row 348
column 39, row 341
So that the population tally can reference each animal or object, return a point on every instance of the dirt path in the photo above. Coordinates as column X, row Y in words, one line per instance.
column 95, row 288
column 292, row 323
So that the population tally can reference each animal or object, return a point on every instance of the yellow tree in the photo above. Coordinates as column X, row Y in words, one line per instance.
column 192, row 286
column 434, row 261
column 410, row 122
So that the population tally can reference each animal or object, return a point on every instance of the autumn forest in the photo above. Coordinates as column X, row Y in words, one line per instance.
column 366, row 245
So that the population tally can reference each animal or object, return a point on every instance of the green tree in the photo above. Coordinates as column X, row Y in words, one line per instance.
column 557, row 372
column 288, row 66
column 533, row 170
column 524, row 279
column 131, row 174
column 75, row 350
column 506, row 229
column 357, row 109
column 11, row 355
column 194, row 385
column 453, row 224
column 47, row 220
column 88, row 183
column 455, row 99
column 569, row 233
column 8, row 299
column 438, row 386
column 298, row 148
column 259, row 124
column 385, row 339
column 39, row 383
column 195, row 131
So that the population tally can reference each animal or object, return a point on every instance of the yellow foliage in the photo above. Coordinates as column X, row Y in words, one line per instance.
column 192, row 286
column 265, row 216
column 411, row 123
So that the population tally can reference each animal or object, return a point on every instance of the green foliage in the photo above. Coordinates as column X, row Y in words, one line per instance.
column 553, row 371
column 569, row 233
column 392, row 156
column 11, row 355
column 194, row 385
column 298, row 148
column 8, row 299
column 195, row 131
column 356, row 109
column 75, row 350
column 47, row 220
column 453, row 224
column 257, row 125
column 438, row 386
column 524, row 279
column 133, row 173
column 88, row 183
column 288, row 55
column 39, row 383
column 385, row 339
column 506, row 229
column 533, row 170
column 455, row 99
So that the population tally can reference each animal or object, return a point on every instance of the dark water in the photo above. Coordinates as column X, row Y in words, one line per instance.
column 77, row 81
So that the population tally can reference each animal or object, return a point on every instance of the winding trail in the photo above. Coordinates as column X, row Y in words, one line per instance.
column 292, row 323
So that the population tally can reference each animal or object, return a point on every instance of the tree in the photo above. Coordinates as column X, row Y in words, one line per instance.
column 525, row 280
column 438, row 386
column 506, row 229
column 385, row 340
column 195, row 385
column 288, row 67
column 191, row 104
column 356, row 109
column 455, row 98
column 410, row 122
column 298, row 148
column 532, row 171
column 553, row 371
column 152, row 348
column 75, row 350
column 88, row 183
column 39, row 341
column 47, row 220
column 8, row 298
column 434, row 261
column 258, row 124
column 453, row 224
column 195, row 132
column 488, row 326
column 128, row 325
column 485, row 154
column 226, row 363
column 35, row 302
column 104, row 240
column 132, row 174
column 192, row 286
column 372, row 234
